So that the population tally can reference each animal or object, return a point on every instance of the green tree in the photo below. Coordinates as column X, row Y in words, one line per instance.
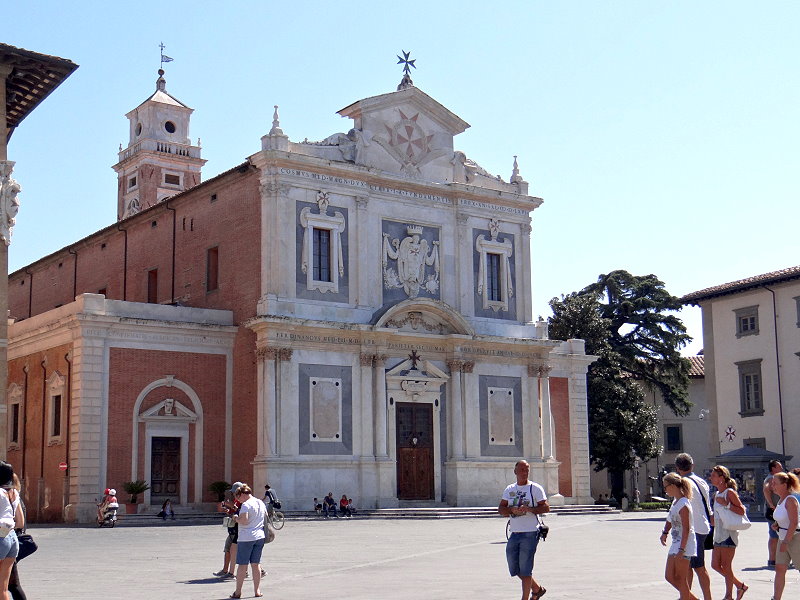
column 626, row 321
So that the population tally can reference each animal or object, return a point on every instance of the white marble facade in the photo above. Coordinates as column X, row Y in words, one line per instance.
column 378, row 244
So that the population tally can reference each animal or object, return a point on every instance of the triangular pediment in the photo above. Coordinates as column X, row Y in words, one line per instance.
column 169, row 408
column 413, row 100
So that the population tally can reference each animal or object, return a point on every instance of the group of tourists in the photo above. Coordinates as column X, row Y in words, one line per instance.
column 698, row 522
column 327, row 507
column 245, row 519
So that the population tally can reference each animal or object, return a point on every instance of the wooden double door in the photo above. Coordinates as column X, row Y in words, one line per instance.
column 415, row 469
column 165, row 469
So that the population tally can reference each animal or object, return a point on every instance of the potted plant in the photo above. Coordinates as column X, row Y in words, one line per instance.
column 218, row 488
column 134, row 488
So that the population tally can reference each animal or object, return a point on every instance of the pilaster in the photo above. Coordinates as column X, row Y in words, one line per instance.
column 455, row 443
column 471, row 411
column 380, row 415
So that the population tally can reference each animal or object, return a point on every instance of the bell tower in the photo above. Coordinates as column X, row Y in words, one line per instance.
column 160, row 160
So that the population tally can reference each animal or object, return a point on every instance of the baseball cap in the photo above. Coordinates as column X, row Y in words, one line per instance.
column 235, row 487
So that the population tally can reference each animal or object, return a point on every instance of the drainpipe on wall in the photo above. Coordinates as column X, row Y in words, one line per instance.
column 30, row 293
column 74, row 274
column 174, row 230
column 40, row 491
column 778, row 368
column 124, row 264
column 65, row 502
column 23, row 416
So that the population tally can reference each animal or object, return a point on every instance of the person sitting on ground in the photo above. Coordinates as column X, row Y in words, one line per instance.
column 166, row 510
column 318, row 507
column 343, row 507
column 351, row 506
column 329, row 506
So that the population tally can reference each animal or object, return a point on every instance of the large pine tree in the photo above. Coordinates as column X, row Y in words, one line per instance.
column 627, row 322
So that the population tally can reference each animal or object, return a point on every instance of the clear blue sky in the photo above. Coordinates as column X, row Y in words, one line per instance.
column 663, row 136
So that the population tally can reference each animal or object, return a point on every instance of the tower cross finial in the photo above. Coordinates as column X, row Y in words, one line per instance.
column 164, row 57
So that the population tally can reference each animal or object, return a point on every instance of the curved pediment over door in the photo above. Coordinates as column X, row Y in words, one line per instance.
column 423, row 315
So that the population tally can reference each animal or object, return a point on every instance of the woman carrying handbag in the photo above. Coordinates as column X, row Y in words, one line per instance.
column 726, row 540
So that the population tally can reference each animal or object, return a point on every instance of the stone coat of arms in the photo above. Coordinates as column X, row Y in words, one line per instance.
column 413, row 255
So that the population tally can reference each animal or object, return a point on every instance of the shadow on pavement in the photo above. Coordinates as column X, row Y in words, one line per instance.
column 206, row 580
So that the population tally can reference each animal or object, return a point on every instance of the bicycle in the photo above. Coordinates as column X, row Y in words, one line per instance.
column 276, row 518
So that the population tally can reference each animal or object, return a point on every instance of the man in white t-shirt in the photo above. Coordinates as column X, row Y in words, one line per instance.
column 523, row 502
column 701, row 511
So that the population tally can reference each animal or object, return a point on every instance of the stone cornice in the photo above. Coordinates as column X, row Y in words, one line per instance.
column 364, row 179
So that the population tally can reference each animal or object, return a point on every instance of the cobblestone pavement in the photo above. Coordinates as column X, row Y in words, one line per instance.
column 587, row 557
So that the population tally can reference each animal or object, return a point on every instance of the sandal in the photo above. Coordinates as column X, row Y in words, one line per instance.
column 539, row 593
column 741, row 590
column 235, row 595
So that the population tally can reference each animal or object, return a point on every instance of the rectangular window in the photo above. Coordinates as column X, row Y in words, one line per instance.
column 132, row 182
column 673, row 441
column 746, row 321
column 212, row 269
column 322, row 254
column 152, row 286
column 760, row 443
column 750, row 390
column 55, row 429
column 494, row 277
column 797, row 301
column 14, row 423
column 172, row 179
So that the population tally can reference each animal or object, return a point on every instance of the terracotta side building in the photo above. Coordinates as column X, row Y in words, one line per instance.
column 351, row 314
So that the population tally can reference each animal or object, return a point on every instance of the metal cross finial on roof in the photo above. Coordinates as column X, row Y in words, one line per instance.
column 407, row 64
column 415, row 358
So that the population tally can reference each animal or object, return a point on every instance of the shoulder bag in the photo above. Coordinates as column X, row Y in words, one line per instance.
column 731, row 520
column 544, row 530
column 26, row 546
column 708, row 543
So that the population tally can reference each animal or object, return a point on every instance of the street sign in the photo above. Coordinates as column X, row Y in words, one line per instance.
column 62, row 466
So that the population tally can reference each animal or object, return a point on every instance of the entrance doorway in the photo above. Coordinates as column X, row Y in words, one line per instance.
column 415, row 464
column 165, row 469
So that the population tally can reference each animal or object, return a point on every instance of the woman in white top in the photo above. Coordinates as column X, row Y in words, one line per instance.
column 11, row 517
column 251, row 539
column 684, row 542
column 787, row 515
column 726, row 540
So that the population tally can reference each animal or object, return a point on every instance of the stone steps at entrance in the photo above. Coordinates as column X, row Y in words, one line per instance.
column 438, row 511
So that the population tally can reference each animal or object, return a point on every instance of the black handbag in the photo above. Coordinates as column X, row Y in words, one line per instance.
column 26, row 546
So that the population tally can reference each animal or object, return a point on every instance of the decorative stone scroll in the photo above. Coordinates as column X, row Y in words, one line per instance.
column 413, row 255
column 9, row 203
column 455, row 365
column 539, row 370
column 335, row 225
column 416, row 321
column 505, row 249
column 266, row 353
column 468, row 366
column 285, row 354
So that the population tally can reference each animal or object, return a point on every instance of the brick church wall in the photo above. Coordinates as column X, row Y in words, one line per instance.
column 559, row 405
column 35, row 460
column 222, row 212
column 131, row 371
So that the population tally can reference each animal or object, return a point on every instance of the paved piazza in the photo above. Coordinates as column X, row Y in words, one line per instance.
column 586, row 557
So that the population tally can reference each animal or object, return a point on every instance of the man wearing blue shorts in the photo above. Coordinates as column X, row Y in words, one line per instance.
column 522, row 502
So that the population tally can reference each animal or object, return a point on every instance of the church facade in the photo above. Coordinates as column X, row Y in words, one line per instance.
column 349, row 315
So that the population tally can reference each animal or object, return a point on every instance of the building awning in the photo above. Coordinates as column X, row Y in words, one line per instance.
column 33, row 77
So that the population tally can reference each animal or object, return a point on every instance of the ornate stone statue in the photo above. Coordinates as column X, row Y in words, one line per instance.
column 412, row 258
column 9, row 203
